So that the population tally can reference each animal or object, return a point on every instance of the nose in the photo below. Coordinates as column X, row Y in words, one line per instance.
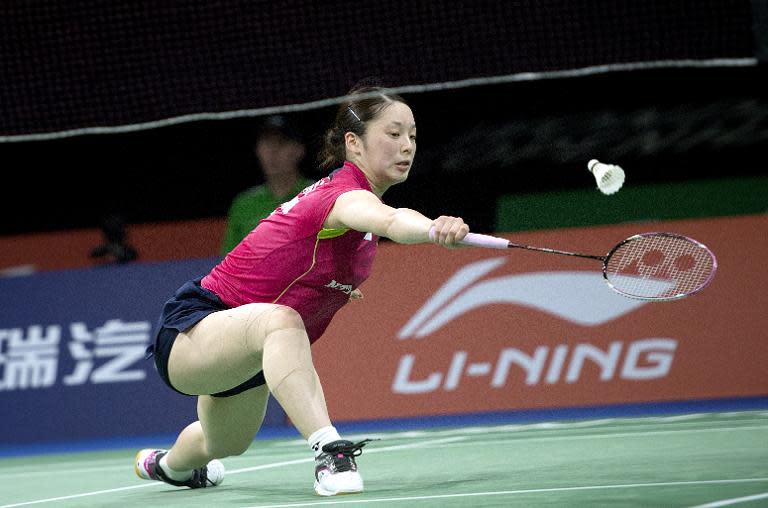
column 408, row 145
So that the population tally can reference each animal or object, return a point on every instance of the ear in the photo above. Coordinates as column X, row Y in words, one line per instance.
column 352, row 143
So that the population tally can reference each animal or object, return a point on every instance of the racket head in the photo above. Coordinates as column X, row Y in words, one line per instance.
column 659, row 266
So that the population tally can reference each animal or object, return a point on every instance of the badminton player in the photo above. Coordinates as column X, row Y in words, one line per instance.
column 245, row 329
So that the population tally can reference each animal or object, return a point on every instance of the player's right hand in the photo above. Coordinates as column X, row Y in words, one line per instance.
column 449, row 231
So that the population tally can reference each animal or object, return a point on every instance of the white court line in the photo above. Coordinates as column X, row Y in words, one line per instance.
column 64, row 471
column 610, row 435
column 446, row 440
column 120, row 464
column 367, row 452
column 514, row 492
column 236, row 471
column 85, row 494
column 599, row 425
column 620, row 423
column 735, row 500
column 680, row 425
column 10, row 466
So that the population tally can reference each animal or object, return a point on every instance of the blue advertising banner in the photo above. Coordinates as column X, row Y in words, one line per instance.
column 72, row 354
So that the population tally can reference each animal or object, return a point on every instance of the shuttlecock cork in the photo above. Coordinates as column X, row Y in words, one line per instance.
column 609, row 177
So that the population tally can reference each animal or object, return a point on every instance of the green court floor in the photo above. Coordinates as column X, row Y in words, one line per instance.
column 715, row 459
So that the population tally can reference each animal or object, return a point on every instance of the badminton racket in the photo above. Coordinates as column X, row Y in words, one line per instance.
column 648, row 266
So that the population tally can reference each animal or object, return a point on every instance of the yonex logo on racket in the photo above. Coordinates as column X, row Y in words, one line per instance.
column 659, row 266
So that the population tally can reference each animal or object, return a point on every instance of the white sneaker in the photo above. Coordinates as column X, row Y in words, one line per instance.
column 336, row 469
column 147, row 467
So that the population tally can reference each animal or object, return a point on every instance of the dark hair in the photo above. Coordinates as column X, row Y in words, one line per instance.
column 353, row 115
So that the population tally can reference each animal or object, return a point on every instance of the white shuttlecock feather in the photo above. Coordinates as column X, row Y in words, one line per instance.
column 216, row 472
column 609, row 177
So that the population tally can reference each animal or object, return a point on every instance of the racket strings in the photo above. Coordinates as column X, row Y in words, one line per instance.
column 659, row 266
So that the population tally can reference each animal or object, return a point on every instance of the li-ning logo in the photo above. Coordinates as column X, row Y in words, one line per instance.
column 560, row 293
column 347, row 288
column 637, row 360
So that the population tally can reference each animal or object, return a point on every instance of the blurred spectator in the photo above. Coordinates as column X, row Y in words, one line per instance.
column 115, row 248
column 280, row 148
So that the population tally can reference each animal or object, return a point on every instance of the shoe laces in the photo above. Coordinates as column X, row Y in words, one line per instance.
column 343, row 453
column 199, row 479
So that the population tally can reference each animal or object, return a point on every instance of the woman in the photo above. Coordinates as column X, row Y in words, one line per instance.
column 245, row 328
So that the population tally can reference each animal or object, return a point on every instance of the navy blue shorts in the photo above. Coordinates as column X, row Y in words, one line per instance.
column 188, row 306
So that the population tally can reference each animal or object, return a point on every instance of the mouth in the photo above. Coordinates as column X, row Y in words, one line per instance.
column 403, row 165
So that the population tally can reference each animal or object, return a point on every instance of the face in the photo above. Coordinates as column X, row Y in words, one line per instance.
column 387, row 148
column 278, row 154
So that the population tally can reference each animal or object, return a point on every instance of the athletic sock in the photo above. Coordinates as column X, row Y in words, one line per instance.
column 178, row 476
column 322, row 437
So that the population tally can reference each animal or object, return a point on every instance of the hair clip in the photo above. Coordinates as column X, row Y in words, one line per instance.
column 354, row 114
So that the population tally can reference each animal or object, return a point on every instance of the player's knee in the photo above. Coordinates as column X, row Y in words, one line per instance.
column 264, row 323
column 283, row 318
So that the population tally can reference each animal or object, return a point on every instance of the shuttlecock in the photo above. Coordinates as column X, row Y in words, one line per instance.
column 609, row 177
column 216, row 472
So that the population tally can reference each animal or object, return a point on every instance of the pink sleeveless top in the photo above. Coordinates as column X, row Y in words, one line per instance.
column 291, row 260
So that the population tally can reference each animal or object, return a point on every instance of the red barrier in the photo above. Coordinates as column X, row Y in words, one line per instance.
column 154, row 242
column 473, row 330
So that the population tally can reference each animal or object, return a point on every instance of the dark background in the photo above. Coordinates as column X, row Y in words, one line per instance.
column 694, row 107
column 475, row 144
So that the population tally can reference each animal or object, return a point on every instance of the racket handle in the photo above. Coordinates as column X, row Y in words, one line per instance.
column 478, row 240
column 487, row 241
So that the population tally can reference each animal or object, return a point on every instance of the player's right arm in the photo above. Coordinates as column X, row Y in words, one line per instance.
column 363, row 211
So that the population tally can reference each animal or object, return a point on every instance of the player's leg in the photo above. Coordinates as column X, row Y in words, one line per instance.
column 211, row 357
column 231, row 346
column 220, row 352
column 291, row 375
column 226, row 427
column 292, row 378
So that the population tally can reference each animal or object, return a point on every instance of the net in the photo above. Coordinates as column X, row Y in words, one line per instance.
column 88, row 67
column 659, row 266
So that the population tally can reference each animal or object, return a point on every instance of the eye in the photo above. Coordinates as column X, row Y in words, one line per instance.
column 394, row 134
column 413, row 137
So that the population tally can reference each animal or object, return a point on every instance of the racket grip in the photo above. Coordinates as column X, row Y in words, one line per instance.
column 478, row 240
column 487, row 241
